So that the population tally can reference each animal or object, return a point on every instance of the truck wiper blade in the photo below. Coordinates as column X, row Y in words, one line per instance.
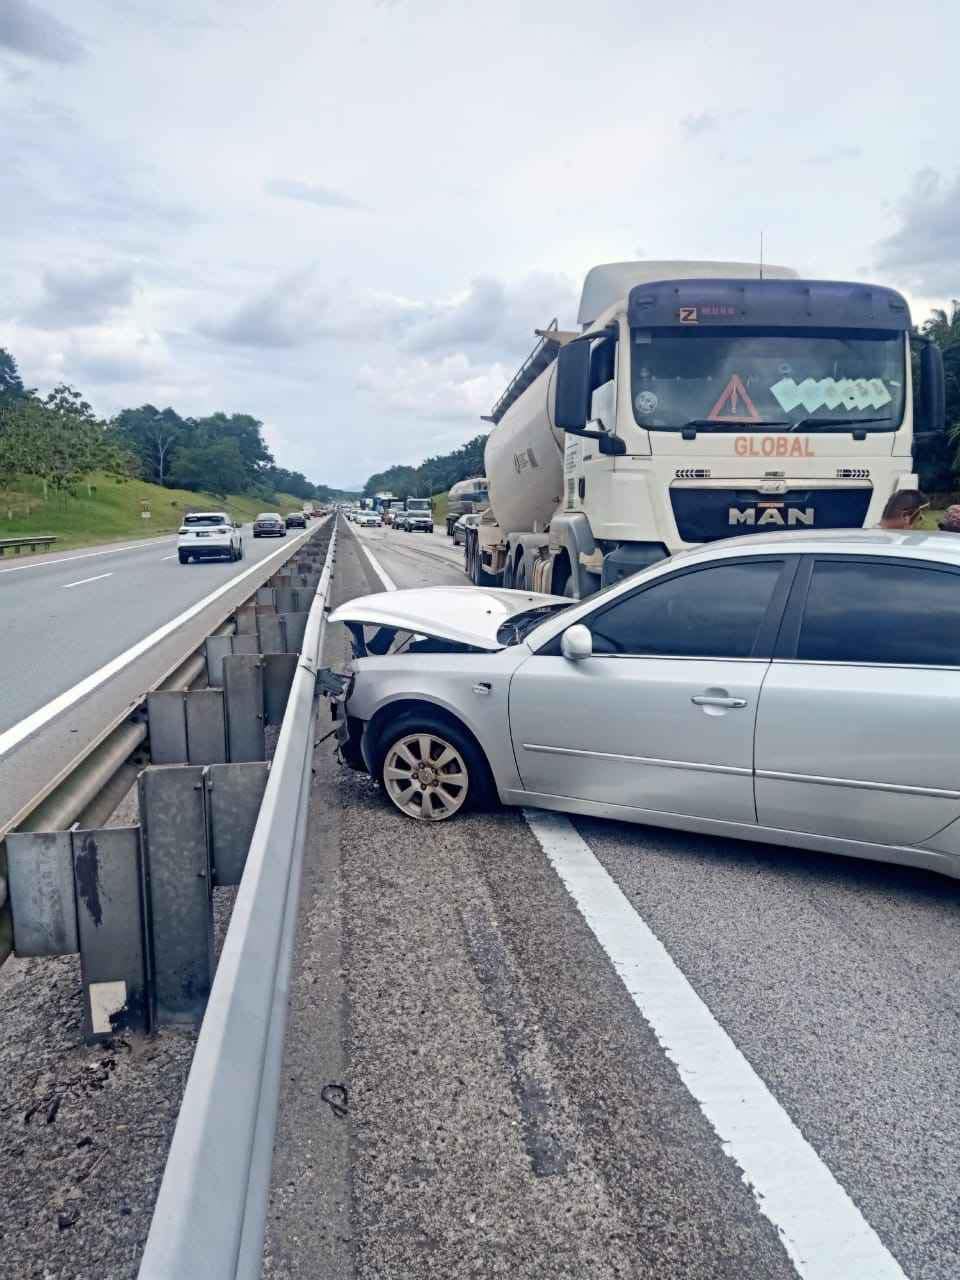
column 814, row 424
column 712, row 423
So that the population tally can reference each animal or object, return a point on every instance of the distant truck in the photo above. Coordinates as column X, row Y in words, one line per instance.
column 698, row 400
column 417, row 516
column 465, row 498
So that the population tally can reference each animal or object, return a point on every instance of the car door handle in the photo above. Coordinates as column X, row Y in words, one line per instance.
column 716, row 700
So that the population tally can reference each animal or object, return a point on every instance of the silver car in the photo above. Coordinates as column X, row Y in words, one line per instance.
column 798, row 688
column 460, row 528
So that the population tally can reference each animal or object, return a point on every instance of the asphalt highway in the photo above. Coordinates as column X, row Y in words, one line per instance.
column 66, row 617
column 532, row 1047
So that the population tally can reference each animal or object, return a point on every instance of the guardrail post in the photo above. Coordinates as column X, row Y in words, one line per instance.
column 40, row 873
column 278, row 672
column 294, row 625
column 108, row 874
column 206, row 726
column 168, row 727
column 180, row 912
column 234, row 793
column 243, row 690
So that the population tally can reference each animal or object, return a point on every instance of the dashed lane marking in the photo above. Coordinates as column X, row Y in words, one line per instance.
column 85, row 555
column 80, row 582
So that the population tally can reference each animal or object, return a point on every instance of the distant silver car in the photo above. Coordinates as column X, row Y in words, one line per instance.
column 798, row 688
column 461, row 526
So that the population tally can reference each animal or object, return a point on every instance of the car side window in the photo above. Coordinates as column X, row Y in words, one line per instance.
column 859, row 611
column 710, row 613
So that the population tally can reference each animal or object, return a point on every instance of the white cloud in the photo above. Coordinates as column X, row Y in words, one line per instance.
column 212, row 154
column 76, row 296
column 447, row 388
column 311, row 193
column 924, row 251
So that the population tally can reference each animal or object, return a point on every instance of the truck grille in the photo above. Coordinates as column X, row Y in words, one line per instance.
column 703, row 515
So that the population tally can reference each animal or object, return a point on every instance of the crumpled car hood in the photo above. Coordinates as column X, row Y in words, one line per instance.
column 463, row 615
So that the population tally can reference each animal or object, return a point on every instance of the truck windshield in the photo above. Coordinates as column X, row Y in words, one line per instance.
column 418, row 504
column 768, row 380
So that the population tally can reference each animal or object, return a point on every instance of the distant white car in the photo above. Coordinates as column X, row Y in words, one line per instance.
column 207, row 535
column 369, row 519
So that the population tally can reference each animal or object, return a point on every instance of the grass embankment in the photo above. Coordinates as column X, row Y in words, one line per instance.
column 440, row 509
column 112, row 512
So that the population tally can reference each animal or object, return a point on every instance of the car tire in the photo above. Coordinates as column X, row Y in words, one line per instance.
column 401, row 750
column 183, row 557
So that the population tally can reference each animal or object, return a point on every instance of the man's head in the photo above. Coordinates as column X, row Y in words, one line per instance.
column 903, row 509
column 951, row 519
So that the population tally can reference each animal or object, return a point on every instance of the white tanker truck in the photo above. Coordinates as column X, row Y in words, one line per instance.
column 697, row 401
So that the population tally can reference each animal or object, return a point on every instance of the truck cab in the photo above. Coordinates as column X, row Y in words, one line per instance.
column 417, row 516
column 699, row 401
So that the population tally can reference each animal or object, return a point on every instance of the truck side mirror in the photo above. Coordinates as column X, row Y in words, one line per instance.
column 572, row 408
column 933, row 410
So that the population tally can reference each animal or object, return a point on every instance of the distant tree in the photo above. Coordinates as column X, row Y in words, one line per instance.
column 216, row 467
column 11, row 384
column 435, row 475
column 938, row 461
column 151, row 434
column 245, row 431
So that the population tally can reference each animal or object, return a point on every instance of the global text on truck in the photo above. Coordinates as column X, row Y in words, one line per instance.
column 697, row 401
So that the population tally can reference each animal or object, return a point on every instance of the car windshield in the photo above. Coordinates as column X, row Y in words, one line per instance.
column 209, row 519
column 521, row 624
column 268, row 515
column 756, row 379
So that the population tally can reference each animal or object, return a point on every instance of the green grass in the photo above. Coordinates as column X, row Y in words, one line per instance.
column 112, row 512
column 440, row 509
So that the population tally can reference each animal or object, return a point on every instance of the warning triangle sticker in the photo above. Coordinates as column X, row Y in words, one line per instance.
column 734, row 405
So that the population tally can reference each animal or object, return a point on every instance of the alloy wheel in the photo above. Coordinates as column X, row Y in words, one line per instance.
column 425, row 777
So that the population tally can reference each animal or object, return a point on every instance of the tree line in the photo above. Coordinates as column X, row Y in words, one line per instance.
column 59, row 439
column 435, row 475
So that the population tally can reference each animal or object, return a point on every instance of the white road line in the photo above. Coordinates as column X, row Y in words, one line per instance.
column 67, row 585
column 85, row 555
column 378, row 568
column 14, row 736
column 173, row 557
column 825, row 1235
column 823, row 1232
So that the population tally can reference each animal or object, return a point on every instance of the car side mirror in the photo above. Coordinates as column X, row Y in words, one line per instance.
column 576, row 643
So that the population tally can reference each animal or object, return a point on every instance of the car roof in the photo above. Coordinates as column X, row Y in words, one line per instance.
column 921, row 544
column 204, row 513
column 905, row 544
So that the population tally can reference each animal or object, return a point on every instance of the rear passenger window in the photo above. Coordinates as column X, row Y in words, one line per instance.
column 863, row 612
column 712, row 613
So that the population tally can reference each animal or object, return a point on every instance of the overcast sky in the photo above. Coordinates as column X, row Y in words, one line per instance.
column 347, row 218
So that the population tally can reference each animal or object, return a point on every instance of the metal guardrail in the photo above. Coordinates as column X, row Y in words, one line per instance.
column 210, row 1215
column 88, row 789
column 16, row 545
